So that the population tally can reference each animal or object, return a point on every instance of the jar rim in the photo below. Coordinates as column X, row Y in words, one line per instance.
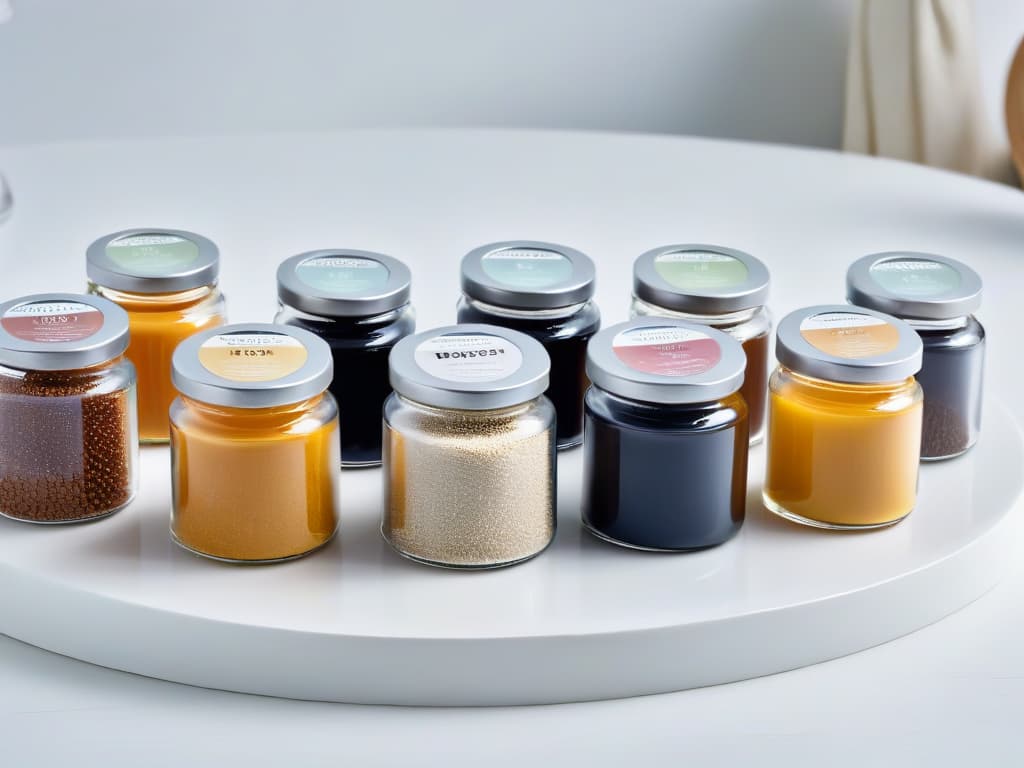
column 82, row 331
column 850, row 344
column 914, row 285
column 730, row 291
column 666, row 360
column 252, row 365
column 315, row 282
column 471, row 367
column 151, row 271
column 481, row 279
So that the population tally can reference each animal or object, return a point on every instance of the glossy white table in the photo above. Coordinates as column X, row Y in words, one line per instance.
column 437, row 194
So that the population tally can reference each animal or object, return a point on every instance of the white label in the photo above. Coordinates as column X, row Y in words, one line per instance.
column 839, row 320
column 469, row 357
column 50, row 308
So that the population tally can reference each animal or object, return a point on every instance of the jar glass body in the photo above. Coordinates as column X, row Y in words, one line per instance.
column 360, row 347
column 664, row 477
column 68, row 442
column 564, row 332
column 750, row 327
column 158, row 322
column 842, row 455
column 469, row 489
column 254, row 484
column 952, row 372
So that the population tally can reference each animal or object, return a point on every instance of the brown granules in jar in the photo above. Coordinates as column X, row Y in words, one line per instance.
column 66, row 450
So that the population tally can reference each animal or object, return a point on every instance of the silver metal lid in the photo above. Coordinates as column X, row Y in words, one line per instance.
column 470, row 367
column 700, row 279
column 252, row 365
column 665, row 360
column 61, row 332
column 152, row 261
column 838, row 342
column 528, row 274
column 922, row 286
column 343, row 283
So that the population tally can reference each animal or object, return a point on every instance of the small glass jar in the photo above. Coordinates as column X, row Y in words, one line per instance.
column 844, row 419
column 68, row 429
column 166, row 280
column 720, row 287
column 937, row 297
column 254, row 444
column 358, row 302
column 543, row 290
column 665, row 448
column 469, row 448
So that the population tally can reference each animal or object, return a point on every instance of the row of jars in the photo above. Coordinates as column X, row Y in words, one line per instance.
column 468, row 438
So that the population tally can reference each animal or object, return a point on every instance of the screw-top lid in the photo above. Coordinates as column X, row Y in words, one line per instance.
column 923, row 286
column 700, row 279
column 837, row 342
column 470, row 367
column 152, row 261
column 343, row 283
column 528, row 274
column 665, row 360
column 252, row 365
column 61, row 332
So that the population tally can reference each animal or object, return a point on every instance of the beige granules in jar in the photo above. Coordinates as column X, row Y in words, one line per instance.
column 66, row 450
column 469, row 489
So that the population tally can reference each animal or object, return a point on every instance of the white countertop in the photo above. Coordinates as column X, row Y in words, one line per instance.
column 951, row 693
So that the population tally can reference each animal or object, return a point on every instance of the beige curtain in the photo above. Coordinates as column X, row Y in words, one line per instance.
column 913, row 90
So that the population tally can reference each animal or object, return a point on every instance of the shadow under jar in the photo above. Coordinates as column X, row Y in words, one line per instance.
column 936, row 296
column 166, row 280
column 357, row 302
column 254, row 444
column 665, row 449
column 68, row 429
column 720, row 287
column 543, row 290
column 844, row 419
column 469, row 448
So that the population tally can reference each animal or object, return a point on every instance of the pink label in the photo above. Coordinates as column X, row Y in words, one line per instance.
column 52, row 322
column 667, row 351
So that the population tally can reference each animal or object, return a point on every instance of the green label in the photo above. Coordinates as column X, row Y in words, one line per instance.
column 700, row 270
column 343, row 275
column 153, row 254
column 915, row 278
column 527, row 267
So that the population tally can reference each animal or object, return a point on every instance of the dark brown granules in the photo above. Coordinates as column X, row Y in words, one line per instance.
column 66, row 445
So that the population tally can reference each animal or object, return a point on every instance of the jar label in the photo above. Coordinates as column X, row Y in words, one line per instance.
column 667, row 350
column 153, row 254
column 700, row 270
column 849, row 334
column 252, row 356
column 915, row 278
column 527, row 267
column 52, row 322
column 343, row 275
column 469, row 357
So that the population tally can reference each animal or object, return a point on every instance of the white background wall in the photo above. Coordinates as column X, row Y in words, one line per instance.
column 761, row 69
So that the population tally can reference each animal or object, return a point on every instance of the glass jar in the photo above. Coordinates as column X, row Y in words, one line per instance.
column 166, row 280
column 719, row 287
column 469, row 448
column 254, row 444
column 936, row 296
column 665, row 448
column 68, row 428
column 358, row 302
column 844, row 419
column 543, row 290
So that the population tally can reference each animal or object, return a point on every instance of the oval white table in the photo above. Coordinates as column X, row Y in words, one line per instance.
column 429, row 197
